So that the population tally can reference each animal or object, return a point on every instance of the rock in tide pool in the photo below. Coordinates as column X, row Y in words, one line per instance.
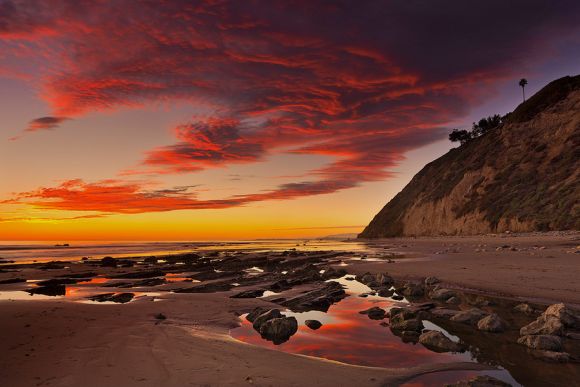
column 108, row 262
column 525, row 308
column 471, row 316
column 375, row 313
column 442, row 294
column 551, row 356
column 480, row 381
column 319, row 298
column 413, row 290
column 555, row 320
column 255, row 313
column 313, row 324
column 438, row 342
column 398, row 324
column 262, row 318
column 253, row 293
column 566, row 315
column 49, row 290
column 542, row 342
column 543, row 326
column 491, row 323
column 279, row 330
column 120, row 298
column 430, row 281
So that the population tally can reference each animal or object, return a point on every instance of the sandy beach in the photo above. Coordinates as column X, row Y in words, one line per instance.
column 69, row 341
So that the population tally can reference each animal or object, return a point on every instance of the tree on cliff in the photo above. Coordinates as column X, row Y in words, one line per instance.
column 523, row 83
column 477, row 129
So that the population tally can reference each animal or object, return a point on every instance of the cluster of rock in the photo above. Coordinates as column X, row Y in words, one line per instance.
column 273, row 325
column 544, row 335
column 480, row 381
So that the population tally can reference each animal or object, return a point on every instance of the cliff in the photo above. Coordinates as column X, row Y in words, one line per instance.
column 521, row 176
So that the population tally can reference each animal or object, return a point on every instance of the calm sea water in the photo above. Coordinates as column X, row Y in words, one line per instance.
column 24, row 252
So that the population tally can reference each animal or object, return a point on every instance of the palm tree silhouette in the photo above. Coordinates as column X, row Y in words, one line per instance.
column 523, row 83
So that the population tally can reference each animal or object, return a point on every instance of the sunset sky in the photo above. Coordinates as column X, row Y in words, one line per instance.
column 195, row 120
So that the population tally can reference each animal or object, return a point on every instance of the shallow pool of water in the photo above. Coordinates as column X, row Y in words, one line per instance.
column 350, row 337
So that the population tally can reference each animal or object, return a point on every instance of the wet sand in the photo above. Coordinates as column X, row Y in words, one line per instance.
column 64, row 342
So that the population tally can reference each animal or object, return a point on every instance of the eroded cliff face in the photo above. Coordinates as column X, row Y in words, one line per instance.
column 522, row 176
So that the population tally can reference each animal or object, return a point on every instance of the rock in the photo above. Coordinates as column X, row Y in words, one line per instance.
column 150, row 260
column 384, row 279
column 480, row 301
column 438, row 342
column 430, row 281
column 442, row 294
column 49, row 290
column 413, row 290
column 551, row 356
column 408, row 336
column 554, row 321
column 543, row 326
column 108, row 262
column 542, row 342
column 384, row 292
column 160, row 316
column 573, row 335
column 480, row 381
column 279, row 330
column 140, row 274
column 375, row 280
column 313, row 324
column 365, row 278
column 375, row 313
column 317, row 299
column 563, row 313
column 120, row 298
column 12, row 281
column 58, row 281
column 444, row 313
column 255, row 313
column 471, row 316
column 397, row 297
column 408, row 313
column 491, row 323
column 453, row 301
column 262, row 318
column 249, row 294
column 525, row 308
column 398, row 324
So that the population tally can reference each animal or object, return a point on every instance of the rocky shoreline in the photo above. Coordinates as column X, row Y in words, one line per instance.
column 263, row 287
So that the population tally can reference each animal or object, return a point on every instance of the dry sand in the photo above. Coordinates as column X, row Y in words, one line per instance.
column 543, row 268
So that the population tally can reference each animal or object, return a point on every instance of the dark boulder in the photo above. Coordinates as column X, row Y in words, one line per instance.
column 279, row 330
column 108, row 262
column 267, row 315
column 49, row 290
column 319, row 298
column 471, row 316
column 542, row 342
column 375, row 313
column 438, row 342
column 253, row 293
column 492, row 323
column 119, row 298
column 313, row 324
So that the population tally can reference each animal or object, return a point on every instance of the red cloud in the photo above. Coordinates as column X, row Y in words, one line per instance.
column 362, row 82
